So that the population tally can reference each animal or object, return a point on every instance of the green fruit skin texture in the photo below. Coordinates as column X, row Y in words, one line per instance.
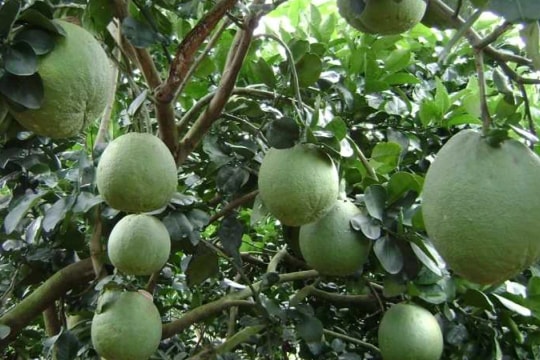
column 136, row 173
column 410, row 332
column 127, row 328
column 331, row 246
column 384, row 17
column 139, row 244
column 77, row 80
column 298, row 185
column 481, row 207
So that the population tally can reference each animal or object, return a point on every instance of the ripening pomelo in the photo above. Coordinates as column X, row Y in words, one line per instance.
column 136, row 173
column 77, row 80
column 481, row 207
column 410, row 332
column 298, row 185
column 331, row 246
column 126, row 326
column 384, row 17
column 139, row 244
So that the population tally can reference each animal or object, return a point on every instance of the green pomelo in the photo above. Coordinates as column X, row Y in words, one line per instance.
column 481, row 206
column 126, row 326
column 77, row 80
column 331, row 246
column 384, row 17
column 136, row 173
column 139, row 244
column 410, row 332
column 298, row 185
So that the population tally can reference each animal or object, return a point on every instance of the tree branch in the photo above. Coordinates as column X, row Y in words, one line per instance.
column 205, row 311
column 233, row 65
column 164, row 111
column 185, row 53
column 44, row 296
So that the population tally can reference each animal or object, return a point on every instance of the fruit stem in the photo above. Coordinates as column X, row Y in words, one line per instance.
column 486, row 117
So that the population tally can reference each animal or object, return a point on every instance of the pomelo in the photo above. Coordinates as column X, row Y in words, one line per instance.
column 384, row 17
column 481, row 206
column 126, row 326
column 331, row 246
column 410, row 332
column 136, row 173
column 298, row 185
column 139, row 244
column 77, row 80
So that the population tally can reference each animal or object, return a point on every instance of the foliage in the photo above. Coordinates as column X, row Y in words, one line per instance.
column 235, row 286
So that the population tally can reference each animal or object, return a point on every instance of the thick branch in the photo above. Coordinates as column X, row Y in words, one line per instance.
column 235, row 299
column 185, row 54
column 233, row 65
column 440, row 10
column 44, row 296
column 164, row 111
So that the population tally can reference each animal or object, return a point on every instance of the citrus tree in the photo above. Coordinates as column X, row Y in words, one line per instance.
column 269, row 179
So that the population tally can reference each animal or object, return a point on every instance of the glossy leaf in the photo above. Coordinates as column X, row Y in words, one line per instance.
column 25, row 91
column 389, row 255
column 8, row 14
column 230, row 234
column 41, row 41
column 375, row 200
column 36, row 18
column 282, row 133
column 202, row 265
column 139, row 34
column 516, row 10
column 20, row 59
column 16, row 214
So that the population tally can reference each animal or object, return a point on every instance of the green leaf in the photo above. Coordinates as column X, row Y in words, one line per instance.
column 97, row 15
column 338, row 127
column 513, row 306
column 230, row 234
column 282, row 133
column 385, row 156
column 516, row 10
column 400, row 183
column 57, row 212
column 309, row 69
column 309, row 328
column 375, row 200
column 139, row 34
column 389, row 254
column 264, row 72
column 4, row 331
column 202, row 265
column 178, row 225
column 35, row 17
column 369, row 227
column 429, row 113
column 230, row 179
column 397, row 60
column 22, row 206
column 442, row 99
column 426, row 259
column 8, row 14
column 26, row 91
column 530, row 34
column 20, row 59
column 478, row 299
column 41, row 41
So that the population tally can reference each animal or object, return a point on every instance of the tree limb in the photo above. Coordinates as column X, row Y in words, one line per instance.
column 185, row 54
column 44, row 296
column 233, row 65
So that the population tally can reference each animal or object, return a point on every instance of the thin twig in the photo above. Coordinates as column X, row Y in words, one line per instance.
column 479, row 63
column 352, row 340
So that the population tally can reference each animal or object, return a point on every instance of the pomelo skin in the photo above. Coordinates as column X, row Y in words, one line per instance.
column 127, row 326
column 331, row 246
column 139, row 244
column 384, row 17
column 481, row 207
column 77, row 80
column 298, row 185
column 410, row 332
column 137, row 173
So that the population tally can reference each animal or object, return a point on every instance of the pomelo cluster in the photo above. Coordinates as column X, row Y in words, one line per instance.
column 481, row 205
column 410, row 332
column 77, row 80
column 384, row 17
column 126, row 325
column 136, row 174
